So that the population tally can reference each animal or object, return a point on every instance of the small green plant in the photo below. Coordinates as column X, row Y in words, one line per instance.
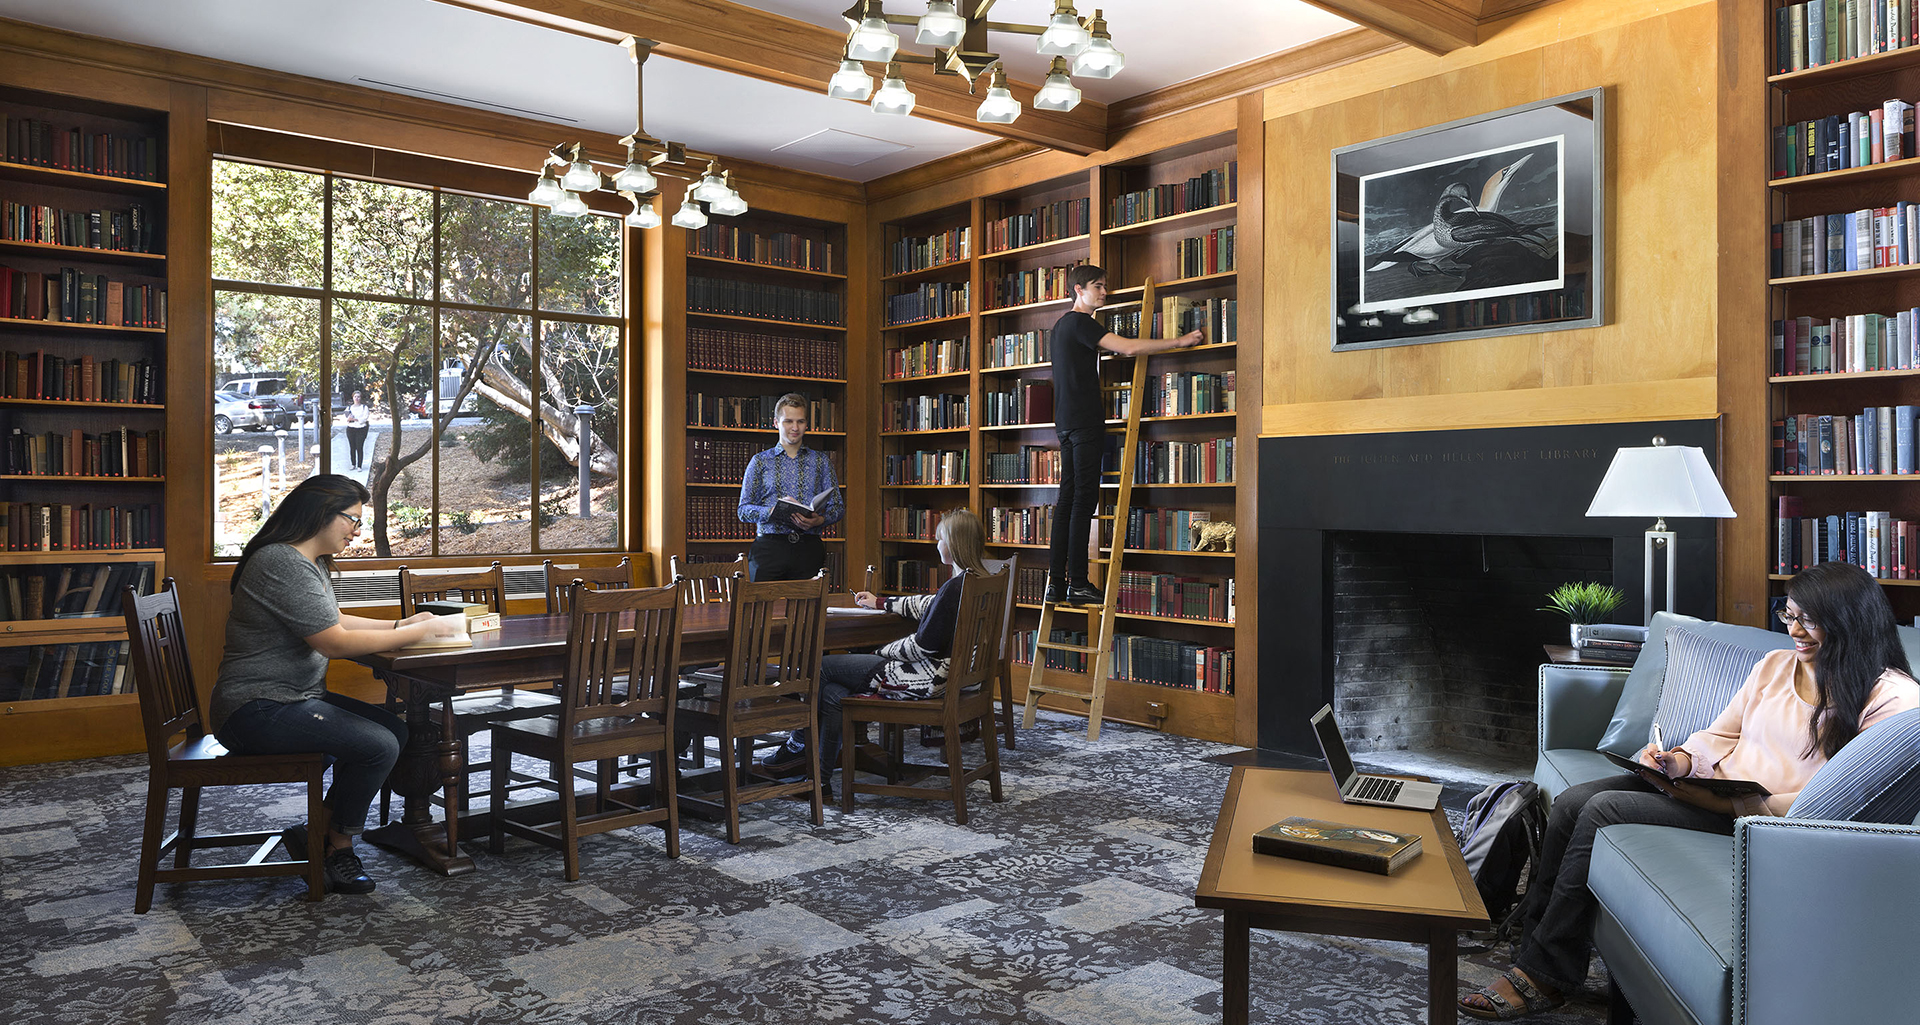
column 464, row 522
column 552, row 509
column 1584, row 602
column 409, row 520
column 407, row 483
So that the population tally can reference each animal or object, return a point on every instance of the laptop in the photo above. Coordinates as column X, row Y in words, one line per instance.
column 1357, row 788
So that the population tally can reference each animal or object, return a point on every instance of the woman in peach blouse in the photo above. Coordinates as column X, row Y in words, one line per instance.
column 1797, row 709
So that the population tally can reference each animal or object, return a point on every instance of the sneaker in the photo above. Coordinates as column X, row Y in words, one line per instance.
column 1084, row 594
column 295, row 837
column 344, row 872
column 785, row 761
column 1056, row 593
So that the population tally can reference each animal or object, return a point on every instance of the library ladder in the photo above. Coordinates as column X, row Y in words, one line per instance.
column 1099, row 653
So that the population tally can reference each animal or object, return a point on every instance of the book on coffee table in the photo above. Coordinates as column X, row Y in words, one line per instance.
column 1338, row 843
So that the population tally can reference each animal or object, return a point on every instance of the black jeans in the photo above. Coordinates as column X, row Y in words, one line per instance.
column 1556, row 917
column 1077, row 501
column 356, row 446
column 364, row 740
column 775, row 557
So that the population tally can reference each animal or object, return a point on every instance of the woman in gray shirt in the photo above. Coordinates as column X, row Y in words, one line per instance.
column 271, row 695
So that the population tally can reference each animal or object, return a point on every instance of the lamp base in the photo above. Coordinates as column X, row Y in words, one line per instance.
column 1658, row 539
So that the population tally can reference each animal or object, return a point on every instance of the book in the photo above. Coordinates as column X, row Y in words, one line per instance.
column 791, row 507
column 1337, row 843
column 480, row 617
column 459, row 640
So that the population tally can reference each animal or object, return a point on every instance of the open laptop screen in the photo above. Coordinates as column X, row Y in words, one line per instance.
column 1332, row 746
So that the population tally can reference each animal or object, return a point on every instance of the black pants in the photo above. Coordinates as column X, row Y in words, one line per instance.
column 356, row 446
column 775, row 557
column 1078, row 500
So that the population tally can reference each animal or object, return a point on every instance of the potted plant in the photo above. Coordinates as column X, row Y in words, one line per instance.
column 1584, row 602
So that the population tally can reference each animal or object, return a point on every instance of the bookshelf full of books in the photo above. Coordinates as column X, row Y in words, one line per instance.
column 1844, row 374
column 83, row 320
column 766, row 315
column 1168, row 215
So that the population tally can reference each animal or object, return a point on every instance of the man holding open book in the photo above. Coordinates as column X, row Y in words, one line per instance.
column 790, row 494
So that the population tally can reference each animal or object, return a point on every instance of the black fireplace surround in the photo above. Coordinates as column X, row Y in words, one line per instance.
column 1525, row 481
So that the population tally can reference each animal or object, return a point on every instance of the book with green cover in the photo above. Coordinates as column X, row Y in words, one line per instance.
column 1339, row 844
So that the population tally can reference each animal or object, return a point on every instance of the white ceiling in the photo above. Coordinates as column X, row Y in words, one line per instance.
column 423, row 48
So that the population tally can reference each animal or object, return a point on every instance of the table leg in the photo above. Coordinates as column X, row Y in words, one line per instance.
column 1443, row 975
column 429, row 762
column 1235, row 950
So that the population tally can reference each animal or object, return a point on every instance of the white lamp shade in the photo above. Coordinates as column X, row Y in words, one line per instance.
column 635, row 178
column 893, row 98
column 940, row 26
column 730, row 205
column 581, row 177
column 1064, row 37
column 690, row 215
column 1058, row 93
column 570, row 205
column 711, row 189
column 999, row 108
column 1099, row 60
column 851, row 82
column 1660, row 481
column 546, row 191
column 644, row 215
column 873, row 41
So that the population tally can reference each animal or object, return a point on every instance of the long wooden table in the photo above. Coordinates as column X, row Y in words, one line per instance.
column 525, row 651
column 1427, row 901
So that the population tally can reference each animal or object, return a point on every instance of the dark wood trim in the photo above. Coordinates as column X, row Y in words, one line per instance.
column 1307, row 59
column 1436, row 26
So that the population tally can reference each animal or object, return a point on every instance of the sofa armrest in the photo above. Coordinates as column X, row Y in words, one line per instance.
column 1576, row 703
column 1826, row 914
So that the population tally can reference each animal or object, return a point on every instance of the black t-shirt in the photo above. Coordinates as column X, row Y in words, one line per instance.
column 1076, row 372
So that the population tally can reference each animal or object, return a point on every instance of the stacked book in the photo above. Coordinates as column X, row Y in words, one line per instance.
column 1611, row 643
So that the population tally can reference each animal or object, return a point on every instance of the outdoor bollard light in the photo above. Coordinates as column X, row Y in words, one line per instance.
column 266, row 478
column 300, row 435
column 584, row 412
column 280, row 440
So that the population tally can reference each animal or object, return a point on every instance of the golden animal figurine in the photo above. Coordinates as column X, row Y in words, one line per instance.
column 1212, row 536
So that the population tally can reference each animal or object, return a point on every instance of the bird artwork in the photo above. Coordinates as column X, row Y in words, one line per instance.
column 1464, row 234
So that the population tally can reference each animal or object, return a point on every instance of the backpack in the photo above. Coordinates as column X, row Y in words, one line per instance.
column 1499, row 839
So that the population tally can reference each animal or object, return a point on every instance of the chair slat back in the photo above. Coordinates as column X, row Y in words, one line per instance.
column 757, row 608
column 599, row 578
column 487, row 587
column 601, row 683
column 976, row 636
column 157, row 642
column 703, row 582
column 1011, row 567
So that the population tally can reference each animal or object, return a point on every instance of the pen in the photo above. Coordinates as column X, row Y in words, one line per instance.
column 1659, row 741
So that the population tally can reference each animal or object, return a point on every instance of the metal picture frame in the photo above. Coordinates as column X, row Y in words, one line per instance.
column 1489, row 225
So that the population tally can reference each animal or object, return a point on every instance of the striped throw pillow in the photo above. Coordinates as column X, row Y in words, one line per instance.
column 1875, row 778
column 1702, row 676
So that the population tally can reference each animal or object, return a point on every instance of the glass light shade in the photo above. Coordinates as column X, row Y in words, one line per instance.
column 730, row 205
column 1059, row 93
column 873, row 41
column 999, row 108
column 581, row 177
column 636, row 178
column 690, row 215
column 1065, row 36
column 894, row 97
column 644, row 215
column 570, row 205
column 1099, row 59
column 546, row 191
column 851, row 82
column 940, row 26
column 710, row 189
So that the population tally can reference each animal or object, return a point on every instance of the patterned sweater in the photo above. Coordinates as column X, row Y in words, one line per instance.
column 917, row 664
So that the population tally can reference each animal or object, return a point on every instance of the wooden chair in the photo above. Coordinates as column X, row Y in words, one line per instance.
column 968, row 697
column 711, row 582
column 599, row 578
column 181, row 756
column 610, row 708
column 764, row 689
column 1003, row 671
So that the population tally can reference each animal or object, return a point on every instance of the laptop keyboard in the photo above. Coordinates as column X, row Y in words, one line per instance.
column 1378, row 788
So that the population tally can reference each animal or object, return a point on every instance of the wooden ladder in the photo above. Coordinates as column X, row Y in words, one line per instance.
column 1100, row 649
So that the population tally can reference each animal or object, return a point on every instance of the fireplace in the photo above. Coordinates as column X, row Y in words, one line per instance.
column 1429, row 504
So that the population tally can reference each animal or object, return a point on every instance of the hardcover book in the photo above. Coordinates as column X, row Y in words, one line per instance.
column 1337, row 843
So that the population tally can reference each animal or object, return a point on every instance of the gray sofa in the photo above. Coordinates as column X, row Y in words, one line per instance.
column 1812, row 917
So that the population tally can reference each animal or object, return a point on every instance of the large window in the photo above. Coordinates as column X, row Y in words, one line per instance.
column 459, row 355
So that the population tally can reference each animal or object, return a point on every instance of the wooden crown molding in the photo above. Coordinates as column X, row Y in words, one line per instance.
column 745, row 41
column 1436, row 26
column 1306, row 59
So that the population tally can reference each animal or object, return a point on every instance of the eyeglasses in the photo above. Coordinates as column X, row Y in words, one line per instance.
column 355, row 520
column 1790, row 618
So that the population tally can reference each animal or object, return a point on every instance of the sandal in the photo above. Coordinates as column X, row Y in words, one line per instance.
column 1499, row 1008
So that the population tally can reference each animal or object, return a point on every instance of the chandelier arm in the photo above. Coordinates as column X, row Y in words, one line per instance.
column 1006, row 26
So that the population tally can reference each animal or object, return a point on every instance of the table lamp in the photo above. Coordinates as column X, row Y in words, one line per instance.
column 1660, row 480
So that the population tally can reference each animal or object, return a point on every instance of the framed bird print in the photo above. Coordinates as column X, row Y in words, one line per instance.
column 1489, row 225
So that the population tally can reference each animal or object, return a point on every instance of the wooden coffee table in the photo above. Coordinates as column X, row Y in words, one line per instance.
column 1427, row 901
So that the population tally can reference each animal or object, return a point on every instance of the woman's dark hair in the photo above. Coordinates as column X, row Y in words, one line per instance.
column 1861, row 642
column 305, row 511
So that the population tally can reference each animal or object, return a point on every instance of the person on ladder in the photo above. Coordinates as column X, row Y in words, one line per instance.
column 1080, row 422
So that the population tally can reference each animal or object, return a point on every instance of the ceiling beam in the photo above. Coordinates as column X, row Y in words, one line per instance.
column 745, row 41
column 1436, row 26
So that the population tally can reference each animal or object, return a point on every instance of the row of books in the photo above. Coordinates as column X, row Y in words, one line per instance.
column 939, row 466
column 937, row 412
column 71, row 296
column 748, row 352
column 46, row 671
column 60, row 592
column 1156, row 660
column 1878, row 440
column 1176, row 597
column 1024, row 402
column 1821, row 32
column 717, row 518
column 1217, row 320
column 1184, row 462
column 65, row 527
column 41, row 375
column 1064, row 218
column 126, row 231
column 1849, row 344
column 713, row 460
column 909, row 523
column 1033, row 464
column 1163, row 530
column 123, row 452
column 1887, row 236
column 1020, row 525
column 756, row 411
column 1876, row 541
column 45, row 144
column 1018, row 288
column 1211, row 253
column 955, row 245
column 1839, row 141
column 930, row 301
column 1178, row 394
column 1019, row 349
column 921, row 359
column 914, row 576
column 1209, row 188
column 773, row 249
column 768, row 301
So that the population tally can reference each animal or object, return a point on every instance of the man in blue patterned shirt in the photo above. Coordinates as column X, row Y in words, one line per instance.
column 788, row 545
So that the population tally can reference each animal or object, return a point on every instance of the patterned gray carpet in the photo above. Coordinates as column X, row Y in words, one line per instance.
column 1070, row 904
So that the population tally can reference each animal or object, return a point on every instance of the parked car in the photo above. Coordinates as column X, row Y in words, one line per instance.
column 271, row 390
column 248, row 414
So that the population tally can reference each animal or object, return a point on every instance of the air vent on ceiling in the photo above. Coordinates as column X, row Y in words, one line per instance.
column 837, row 147
column 467, row 100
